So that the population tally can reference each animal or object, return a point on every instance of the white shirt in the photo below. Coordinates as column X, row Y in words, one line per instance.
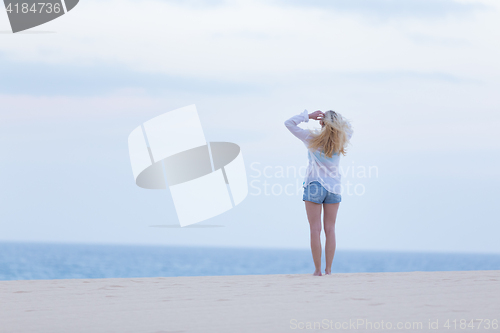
column 321, row 168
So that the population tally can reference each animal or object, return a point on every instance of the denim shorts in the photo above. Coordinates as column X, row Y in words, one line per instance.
column 315, row 192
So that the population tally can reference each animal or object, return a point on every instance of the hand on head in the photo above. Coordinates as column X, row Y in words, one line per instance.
column 316, row 115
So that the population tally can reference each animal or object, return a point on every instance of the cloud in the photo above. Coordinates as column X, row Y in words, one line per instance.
column 389, row 9
column 213, row 48
column 198, row 3
column 102, row 78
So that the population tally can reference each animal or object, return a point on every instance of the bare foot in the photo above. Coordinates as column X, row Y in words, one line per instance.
column 328, row 273
column 317, row 273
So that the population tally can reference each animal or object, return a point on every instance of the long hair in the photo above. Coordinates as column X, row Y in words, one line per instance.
column 332, row 138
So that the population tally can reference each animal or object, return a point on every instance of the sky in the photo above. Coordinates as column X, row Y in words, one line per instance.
column 418, row 80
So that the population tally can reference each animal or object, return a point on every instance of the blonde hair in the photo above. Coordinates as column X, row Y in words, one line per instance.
column 333, row 136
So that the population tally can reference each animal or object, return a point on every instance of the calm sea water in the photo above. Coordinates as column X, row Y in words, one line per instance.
column 22, row 261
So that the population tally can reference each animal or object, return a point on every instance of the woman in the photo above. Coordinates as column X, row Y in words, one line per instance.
column 322, row 187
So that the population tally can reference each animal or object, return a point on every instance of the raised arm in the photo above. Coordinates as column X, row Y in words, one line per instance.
column 292, row 123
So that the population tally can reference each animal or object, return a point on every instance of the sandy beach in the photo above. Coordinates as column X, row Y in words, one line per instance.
column 361, row 302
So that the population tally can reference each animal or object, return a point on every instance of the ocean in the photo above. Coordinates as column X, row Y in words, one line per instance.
column 34, row 261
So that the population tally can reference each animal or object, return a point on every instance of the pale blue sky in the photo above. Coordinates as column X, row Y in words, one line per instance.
column 393, row 9
column 418, row 80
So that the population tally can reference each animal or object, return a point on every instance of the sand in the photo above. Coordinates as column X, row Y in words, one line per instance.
column 361, row 302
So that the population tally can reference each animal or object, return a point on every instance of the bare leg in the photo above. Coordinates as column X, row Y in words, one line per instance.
column 314, row 216
column 329, row 218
